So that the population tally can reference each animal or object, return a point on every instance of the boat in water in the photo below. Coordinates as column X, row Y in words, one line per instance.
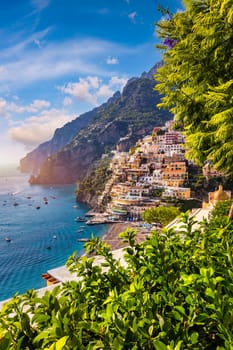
column 80, row 219
column 83, row 240
column 8, row 239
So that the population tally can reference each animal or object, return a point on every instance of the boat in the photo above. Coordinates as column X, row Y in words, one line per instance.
column 8, row 239
column 83, row 240
column 80, row 219
column 38, row 207
column 81, row 230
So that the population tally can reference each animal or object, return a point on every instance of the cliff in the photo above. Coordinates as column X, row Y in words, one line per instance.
column 122, row 120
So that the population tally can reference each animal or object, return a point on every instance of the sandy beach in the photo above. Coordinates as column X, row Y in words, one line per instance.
column 111, row 237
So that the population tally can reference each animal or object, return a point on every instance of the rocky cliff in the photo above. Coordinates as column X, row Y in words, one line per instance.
column 122, row 120
column 32, row 162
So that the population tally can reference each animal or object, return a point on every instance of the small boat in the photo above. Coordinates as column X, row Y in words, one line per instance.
column 83, row 240
column 48, row 247
column 38, row 207
column 80, row 219
column 15, row 204
column 75, row 206
column 81, row 230
column 8, row 239
column 54, row 237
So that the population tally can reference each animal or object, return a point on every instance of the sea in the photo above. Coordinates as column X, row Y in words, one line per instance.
column 38, row 231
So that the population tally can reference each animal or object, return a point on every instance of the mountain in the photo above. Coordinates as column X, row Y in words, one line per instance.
column 120, row 122
column 32, row 162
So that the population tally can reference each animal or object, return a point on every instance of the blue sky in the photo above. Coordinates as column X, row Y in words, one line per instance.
column 60, row 58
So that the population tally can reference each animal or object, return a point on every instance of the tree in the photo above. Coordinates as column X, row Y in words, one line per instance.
column 162, row 215
column 197, row 78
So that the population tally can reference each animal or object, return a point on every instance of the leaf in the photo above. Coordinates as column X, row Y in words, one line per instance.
column 194, row 337
column 61, row 343
column 178, row 345
column 40, row 336
column 181, row 310
column 161, row 321
column 5, row 341
column 210, row 293
column 150, row 330
column 159, row 345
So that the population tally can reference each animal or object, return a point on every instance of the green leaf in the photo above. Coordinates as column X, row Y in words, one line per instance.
column 210, row 293
column 61, row 343
column 5, row 341
column 180, row 309
column 194, row 337
column 159, row 345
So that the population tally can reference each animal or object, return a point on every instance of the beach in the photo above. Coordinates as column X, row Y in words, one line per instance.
column 111, row 236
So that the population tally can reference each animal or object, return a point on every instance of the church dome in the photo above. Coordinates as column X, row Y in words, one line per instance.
column 220, row 195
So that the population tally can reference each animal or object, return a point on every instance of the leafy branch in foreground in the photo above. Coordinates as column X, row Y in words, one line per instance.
column 175, row 291
column 196, row 78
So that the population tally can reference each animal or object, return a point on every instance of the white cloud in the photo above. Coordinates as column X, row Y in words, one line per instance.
column 38, row 43
column 67, row 101
column 3, row 108
column 7, row 108
column 132, row 16
column 14, row 108
column 39, row 104
column 112, row 60
column 92, row 89
column 25, row 63
column 82, row 90
column 37, row 129
column 114, row 81
column 3, row 70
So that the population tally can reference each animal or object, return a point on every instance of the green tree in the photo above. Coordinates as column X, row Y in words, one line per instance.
column 162, row 215
column 197, row 77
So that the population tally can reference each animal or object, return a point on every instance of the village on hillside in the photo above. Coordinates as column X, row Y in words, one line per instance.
column 154, row 172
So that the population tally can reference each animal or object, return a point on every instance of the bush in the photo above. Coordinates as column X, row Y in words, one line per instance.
column 176, row 292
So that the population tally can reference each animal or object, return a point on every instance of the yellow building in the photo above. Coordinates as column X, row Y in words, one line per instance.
column 217, row 196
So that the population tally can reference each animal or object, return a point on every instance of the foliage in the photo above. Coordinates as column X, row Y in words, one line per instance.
column 221, row 208
column 188, row 204
column 161, row 214
column 95, row 180
column 175, row 293
column 197, row 77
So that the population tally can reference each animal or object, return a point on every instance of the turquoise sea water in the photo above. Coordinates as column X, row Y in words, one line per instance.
column 32, row 230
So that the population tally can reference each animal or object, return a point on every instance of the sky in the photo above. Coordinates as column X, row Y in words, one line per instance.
column 59, row 59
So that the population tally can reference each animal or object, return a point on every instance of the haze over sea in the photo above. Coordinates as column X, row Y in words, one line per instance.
column 32, row 230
